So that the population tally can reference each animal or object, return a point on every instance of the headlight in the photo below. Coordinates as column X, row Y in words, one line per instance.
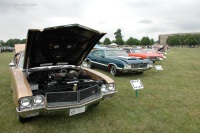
column 149, row 65
column 38, row 99
column 104, row 88
column 25, row 102
column 111, row 87
column 128, row 66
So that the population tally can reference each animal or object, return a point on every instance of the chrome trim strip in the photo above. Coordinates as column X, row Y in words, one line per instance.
column 104, row 64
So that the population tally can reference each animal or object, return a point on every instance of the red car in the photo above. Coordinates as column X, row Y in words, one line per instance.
column 144, row 54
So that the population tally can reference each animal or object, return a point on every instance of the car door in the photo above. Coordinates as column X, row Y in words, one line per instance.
column 99, row 59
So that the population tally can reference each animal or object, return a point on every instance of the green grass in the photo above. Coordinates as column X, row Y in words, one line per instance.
column 169, row 102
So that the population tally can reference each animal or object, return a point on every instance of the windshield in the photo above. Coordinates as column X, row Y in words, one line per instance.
column 137, row 51
column 150, row 50
column 110, row 53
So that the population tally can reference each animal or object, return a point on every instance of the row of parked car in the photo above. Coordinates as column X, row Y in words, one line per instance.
column 6, row 49
column 123, row 60
column 46, row 72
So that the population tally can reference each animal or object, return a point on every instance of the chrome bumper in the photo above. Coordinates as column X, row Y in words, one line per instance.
column 132, row 70
column 42, row 110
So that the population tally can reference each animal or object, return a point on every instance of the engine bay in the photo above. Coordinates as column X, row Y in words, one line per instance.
column 59, row 79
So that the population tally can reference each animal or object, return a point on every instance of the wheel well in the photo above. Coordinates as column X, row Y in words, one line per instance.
column 87, row 60
column 109, row 66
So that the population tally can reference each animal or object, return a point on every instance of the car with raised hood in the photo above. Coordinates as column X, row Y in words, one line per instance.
column 144, row 54
column 46, row 72
column 116, row 61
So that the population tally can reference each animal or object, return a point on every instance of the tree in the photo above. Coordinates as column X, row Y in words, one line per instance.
column 173, row 40
column 119, row 41
column 182, row 38
column 2, row 42
column 118, row 37
column 191, row 40
column 145, row 41
column 118, row 34
column 12, row 42
column 136, row 41
column 23, row 41
column 197, row 37
column 106, row 41
column 152, row 41
column 132, row 41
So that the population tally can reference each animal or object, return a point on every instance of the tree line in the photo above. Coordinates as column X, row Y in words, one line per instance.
column 12, row 42
column 118, row 40
column 190, row 40
column 174, row 40
column 145, row 41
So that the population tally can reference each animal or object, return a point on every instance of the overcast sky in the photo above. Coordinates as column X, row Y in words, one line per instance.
column 136, row 18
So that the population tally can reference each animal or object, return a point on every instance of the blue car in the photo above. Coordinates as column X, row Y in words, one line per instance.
column 116, row 61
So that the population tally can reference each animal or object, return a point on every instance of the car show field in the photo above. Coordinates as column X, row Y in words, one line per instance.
column 169, row 101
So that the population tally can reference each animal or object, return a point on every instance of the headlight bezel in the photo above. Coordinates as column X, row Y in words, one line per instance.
column 107, row 88
column 111, row 87
column 127, row 66
column 32, row 103
column 150, row 65
column 104, row 88
column 25, row 99
column 40, row 98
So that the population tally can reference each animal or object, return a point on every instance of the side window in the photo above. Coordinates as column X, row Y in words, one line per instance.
column 133, row 51
column 127, row 50
column 101, row 53
column 98, row 53
column 18, row 60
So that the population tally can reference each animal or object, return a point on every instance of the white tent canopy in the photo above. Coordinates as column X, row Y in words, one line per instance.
column 113, row 44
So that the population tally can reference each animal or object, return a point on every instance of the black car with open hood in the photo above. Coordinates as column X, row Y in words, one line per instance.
column 67, row 44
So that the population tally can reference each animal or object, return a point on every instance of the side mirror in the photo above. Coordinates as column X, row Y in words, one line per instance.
column 102, row 56
column 11, row 64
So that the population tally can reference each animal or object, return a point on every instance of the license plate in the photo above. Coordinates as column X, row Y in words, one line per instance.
column 75, row 111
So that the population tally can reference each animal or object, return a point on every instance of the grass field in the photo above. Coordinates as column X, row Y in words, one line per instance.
column 169, row 102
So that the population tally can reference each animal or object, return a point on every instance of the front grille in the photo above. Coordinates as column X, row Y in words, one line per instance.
column 141, row 65
column 72, row 97
column 86, row 93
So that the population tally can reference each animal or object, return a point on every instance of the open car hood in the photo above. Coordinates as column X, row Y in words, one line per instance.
column 68, row 45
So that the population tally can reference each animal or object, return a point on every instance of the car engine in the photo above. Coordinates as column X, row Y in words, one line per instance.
column 59, row 79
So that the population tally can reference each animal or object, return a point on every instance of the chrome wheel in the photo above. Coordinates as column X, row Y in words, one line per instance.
column 114, row 71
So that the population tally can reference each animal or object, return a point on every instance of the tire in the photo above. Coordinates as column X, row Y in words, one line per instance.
column 89, row 64
column 114, row 71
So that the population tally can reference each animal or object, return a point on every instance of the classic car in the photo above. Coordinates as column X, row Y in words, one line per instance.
column 116, row 61
column 1, row 49
column 46, row 73
column 143, row 54
column 162, row 54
